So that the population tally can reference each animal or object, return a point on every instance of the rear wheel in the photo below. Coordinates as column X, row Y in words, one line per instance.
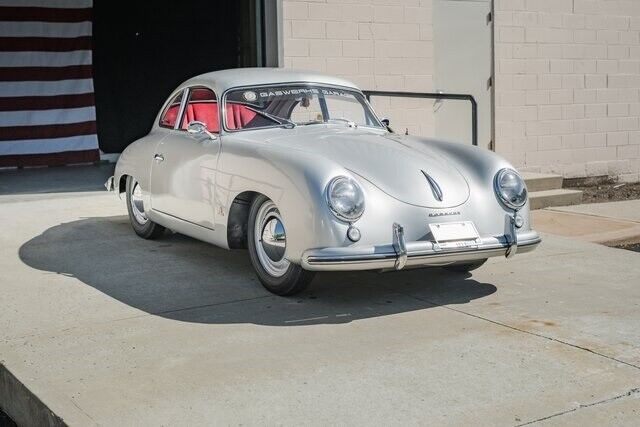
column 466, row 267
column 142, row 225
column 267, row 243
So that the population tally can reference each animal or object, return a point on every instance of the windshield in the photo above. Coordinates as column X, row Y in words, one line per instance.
column 296, row 105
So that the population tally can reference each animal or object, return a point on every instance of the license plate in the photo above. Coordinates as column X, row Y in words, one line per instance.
column 455, row 234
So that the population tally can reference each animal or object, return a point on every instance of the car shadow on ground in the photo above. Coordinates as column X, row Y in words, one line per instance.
column 180, row 278
column 58, row 179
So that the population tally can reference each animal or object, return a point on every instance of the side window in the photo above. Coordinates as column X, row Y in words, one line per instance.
column 170, row 114
column 202, row 106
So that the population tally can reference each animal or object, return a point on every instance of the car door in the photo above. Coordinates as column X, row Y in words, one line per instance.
column 184, row 167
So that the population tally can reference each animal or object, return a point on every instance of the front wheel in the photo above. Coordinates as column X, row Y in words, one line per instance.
column 142, row 225
column 267, row 241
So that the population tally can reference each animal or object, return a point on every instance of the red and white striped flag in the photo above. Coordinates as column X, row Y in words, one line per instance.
column 47, row 107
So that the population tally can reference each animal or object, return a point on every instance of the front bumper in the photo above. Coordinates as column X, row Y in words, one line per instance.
column 401, row 254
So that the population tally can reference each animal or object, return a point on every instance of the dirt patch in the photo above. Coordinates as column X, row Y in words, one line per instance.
column 543, row 322
column 630, row 247
column 609, row 192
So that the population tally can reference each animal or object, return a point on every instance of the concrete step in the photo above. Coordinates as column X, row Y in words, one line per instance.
column 559, row 197
column 542, row 181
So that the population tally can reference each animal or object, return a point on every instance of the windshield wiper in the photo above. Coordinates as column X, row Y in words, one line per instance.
column 313, row 122
column 281, row 120
column 348, row 122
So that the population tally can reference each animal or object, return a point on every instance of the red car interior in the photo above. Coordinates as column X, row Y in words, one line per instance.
column 203, row 109
column 238, row 116
column 207, row 112
column 170, row 116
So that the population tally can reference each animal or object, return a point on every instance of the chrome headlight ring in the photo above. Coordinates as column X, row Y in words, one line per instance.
column 345, row 198
column 510, row 188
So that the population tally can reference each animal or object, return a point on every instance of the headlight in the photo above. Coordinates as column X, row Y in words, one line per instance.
column 511, row 188
column 345, row 198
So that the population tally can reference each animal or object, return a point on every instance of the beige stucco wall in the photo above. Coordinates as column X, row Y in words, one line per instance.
column 377, row 44
column 567, row 82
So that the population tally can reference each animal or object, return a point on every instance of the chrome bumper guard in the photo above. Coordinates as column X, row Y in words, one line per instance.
column 400, row 254
column 400, row 247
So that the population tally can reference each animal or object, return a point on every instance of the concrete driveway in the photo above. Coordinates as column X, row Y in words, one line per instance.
column 104, row 328
column 610, row 223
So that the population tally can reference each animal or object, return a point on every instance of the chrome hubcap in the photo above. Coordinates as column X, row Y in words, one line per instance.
column 271, row 240
column 137, row 204
column 274, row 240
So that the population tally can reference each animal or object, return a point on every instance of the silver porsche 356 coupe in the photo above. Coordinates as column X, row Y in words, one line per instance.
column 297, row 168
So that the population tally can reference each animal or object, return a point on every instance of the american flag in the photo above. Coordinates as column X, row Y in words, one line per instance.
column 47, row 107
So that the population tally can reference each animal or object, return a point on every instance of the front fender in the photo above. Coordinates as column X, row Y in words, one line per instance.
column 294, row 180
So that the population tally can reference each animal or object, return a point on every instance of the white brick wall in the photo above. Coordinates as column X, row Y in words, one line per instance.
column 377, row 44
column 567, row 86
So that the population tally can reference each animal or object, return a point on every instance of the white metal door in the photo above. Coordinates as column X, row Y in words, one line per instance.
column 462, row 36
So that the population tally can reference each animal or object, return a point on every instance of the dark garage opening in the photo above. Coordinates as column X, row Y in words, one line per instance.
column 142, row 52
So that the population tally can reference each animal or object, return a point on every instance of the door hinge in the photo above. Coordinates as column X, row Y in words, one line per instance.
column 489, row 82
column 489, row 17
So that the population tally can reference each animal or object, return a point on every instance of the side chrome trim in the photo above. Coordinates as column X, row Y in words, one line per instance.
column 182, row 220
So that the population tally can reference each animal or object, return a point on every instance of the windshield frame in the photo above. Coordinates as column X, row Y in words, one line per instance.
column 366, row 105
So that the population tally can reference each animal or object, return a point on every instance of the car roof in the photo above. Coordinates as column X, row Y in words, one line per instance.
column 222, row 80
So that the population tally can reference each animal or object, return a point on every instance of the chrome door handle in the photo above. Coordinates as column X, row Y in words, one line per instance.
column 158, row 157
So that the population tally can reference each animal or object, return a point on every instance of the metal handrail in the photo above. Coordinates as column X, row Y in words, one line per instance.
column 460, row 97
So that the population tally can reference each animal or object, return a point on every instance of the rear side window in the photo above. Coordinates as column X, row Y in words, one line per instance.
column 202, row 107
column 170, row 114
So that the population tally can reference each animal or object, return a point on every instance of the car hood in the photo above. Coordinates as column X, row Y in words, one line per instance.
column 405, row 168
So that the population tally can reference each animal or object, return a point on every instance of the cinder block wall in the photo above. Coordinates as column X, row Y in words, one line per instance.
column 567, row 86
column 377, row 44
column 567, row 73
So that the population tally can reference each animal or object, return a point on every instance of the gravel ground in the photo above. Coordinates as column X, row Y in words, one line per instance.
column 630, row 247
column 612, row 192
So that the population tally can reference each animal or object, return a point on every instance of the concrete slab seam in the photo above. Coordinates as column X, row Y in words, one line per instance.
column 527, row 332
column 196, row 307
column 582, row 406
column 592, row 215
